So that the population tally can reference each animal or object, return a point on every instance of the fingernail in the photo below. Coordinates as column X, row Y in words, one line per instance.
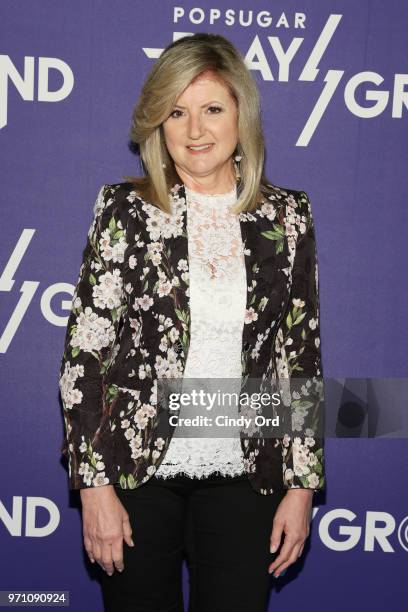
column 132, row 543
column 279, row 575
column 274, row 548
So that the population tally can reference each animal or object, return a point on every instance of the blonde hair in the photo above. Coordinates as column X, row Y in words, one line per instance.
column 178, row 65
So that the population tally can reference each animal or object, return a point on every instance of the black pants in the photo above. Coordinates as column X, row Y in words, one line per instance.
column 220, row 525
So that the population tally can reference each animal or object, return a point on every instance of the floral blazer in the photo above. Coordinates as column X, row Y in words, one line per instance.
column 129, row 326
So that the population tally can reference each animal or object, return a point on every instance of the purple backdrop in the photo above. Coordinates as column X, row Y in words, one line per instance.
column 335, row 123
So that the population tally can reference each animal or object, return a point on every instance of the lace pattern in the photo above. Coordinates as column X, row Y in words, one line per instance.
column 217, row 306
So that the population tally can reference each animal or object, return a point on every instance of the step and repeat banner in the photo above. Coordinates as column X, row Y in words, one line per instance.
column 333, row 78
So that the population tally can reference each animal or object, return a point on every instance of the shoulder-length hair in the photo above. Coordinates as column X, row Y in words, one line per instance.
column 179, row 64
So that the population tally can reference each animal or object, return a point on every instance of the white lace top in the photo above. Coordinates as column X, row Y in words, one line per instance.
column 217, row 309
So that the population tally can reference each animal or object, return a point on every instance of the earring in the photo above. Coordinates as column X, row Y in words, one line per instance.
column 164, row 165
column 238, row 158
column 236, row 168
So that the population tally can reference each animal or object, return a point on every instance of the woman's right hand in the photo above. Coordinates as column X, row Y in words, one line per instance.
column 105, row 525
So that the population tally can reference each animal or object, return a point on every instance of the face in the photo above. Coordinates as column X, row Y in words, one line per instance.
column 205, row 115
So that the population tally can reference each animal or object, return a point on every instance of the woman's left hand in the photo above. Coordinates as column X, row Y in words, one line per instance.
column 292, row 517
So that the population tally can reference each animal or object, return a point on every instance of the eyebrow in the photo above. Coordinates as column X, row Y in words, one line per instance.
column 202, row 106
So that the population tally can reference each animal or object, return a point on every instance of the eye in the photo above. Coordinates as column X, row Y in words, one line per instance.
column 214, row 110
column 217, row 109
column 175, row 111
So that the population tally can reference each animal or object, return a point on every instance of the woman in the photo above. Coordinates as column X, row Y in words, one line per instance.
column 200, row 269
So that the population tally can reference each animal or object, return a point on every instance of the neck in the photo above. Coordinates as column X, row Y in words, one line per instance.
column 209, row 184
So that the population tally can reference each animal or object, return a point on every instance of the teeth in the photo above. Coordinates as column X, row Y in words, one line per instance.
column 200, row 147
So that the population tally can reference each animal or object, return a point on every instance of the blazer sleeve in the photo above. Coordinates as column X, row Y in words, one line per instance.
column 93, row 322
column 299, row 361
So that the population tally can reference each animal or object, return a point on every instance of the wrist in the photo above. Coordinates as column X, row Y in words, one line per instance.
column 300, row 491
column 89, row 491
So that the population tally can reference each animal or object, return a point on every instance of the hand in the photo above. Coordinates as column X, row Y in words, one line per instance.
column 292, row 517
column 105, row 526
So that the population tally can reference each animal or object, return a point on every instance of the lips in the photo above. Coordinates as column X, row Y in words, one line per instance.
column 200, row 148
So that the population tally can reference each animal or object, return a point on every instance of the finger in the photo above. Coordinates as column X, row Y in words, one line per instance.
column 276, row 536
column 284, row 554
column 107, row 560
column 117, row 555
column 88, row 548
column 284, row 551
column 90, row 555
column 291, row 559
column 96, row 550
column 127, row 531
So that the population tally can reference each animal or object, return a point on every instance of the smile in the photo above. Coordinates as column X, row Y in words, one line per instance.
column 200, row 148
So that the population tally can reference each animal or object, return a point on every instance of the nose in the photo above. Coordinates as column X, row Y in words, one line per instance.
column 195, row 126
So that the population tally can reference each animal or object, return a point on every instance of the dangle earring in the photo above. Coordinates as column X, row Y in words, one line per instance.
column 236, row 160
